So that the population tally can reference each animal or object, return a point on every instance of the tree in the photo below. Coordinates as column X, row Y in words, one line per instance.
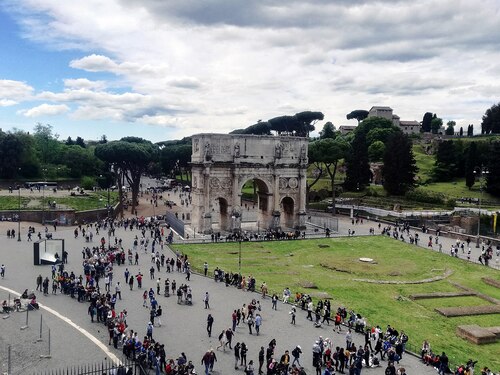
column 358, row 172
column 69, row 142
column 375, row 124
column 471, row 162
column 445, row 168
column 491, row 120
column 330, row 151
column 80, row 142
column 399, row 165
column 299, row 124
column 436, row 124
column 103, row 139
column 260, row 128
column 80, row 161
column 358, row 114
column 11, row 149
column 493, row 164
column 328, row 131
column 130, row 156
column 450, row 129
column 426, row 122
column 314, row 157
column 376, row 151
column 461, row 131
column 47, row 145
column 306, row 121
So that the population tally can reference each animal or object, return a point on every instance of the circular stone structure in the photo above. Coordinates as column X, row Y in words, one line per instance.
column 366, row 260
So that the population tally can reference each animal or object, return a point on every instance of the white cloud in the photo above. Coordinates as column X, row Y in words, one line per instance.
column 45, row 110
column 84, row 83
column 11, row 92
column 229, row 64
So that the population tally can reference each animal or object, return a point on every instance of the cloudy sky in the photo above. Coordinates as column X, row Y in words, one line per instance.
column 164, row 69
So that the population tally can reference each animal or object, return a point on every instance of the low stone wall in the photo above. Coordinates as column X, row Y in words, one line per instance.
column 477, row 335
column 468, row 310
column 441, row 295
column 491, row 282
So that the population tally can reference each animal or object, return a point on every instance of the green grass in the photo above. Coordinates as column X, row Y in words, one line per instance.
column 293, row 263
column 79, row 203
column 91, row 202
column 425, row 164
column 11, row 202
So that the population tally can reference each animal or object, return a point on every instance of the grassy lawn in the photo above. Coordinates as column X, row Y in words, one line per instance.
column 425, row 164
column 457, row 189
column 333, row 270
column 11, row 202
column 79, row 203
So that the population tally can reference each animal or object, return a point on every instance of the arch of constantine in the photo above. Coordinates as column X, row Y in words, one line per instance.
column 222, row 164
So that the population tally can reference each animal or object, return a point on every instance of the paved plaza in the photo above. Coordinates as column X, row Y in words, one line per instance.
column 75, row 340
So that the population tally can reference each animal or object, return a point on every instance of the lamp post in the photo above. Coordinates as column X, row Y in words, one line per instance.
column 19, row 214
column 239, row 257
column 481, row 173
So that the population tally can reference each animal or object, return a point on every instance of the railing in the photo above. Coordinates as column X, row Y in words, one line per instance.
column 98, row 369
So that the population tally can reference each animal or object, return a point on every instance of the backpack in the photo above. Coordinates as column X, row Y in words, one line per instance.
column 295, row 352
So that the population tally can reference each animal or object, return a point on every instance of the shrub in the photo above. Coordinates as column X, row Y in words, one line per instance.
column 88, row 183
column 423, row 196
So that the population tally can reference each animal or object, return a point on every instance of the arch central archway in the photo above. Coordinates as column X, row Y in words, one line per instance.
column 237, row 179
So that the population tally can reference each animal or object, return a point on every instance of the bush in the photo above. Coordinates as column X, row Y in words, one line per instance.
column 423, row 196
column 88, row 183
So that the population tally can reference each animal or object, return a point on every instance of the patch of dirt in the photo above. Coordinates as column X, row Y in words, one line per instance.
column 321, row 295
column 323, row 245
column 308, row 285
column 395, row 273
column 333, row 268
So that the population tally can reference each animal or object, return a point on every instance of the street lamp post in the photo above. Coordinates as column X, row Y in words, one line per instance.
column 482, row 173
column 19, row 213
column 239, row 258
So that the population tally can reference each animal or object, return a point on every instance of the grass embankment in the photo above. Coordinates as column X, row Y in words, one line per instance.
column 333, row 270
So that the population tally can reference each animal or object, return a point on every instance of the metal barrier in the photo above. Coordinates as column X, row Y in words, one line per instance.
column 106, row 367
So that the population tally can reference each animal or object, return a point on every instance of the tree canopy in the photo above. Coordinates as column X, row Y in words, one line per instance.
column 358, row 114
column 400, row 168
column 491, row 120
column 131, row 156
column 300, row 125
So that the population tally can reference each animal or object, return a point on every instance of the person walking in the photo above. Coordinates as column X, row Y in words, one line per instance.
column 296, row 355
column 118, row 290
column 206, row 361
column 210, row 322
column 131, row 282
column 159, row 312
column 39, row 281
column 258, row 323
column 2, row 271
column 261, row 359
column 293, row 313
column 206, row 300
column 243, row 354
column 236, row 355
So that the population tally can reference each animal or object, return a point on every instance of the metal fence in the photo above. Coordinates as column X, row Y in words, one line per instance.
column 107, row 367
column 324, row 222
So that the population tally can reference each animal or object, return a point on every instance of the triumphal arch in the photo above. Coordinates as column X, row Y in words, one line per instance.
column 224, row 166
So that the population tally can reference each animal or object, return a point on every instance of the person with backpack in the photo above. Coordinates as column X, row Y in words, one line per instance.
column 296, row 355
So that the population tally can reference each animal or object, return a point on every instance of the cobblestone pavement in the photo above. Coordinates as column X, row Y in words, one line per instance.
column 183, row 329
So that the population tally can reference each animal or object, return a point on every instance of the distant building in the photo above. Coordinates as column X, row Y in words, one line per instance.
column 344, row 129
column 379, row 111
column 407, row 127
column 410, row 127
